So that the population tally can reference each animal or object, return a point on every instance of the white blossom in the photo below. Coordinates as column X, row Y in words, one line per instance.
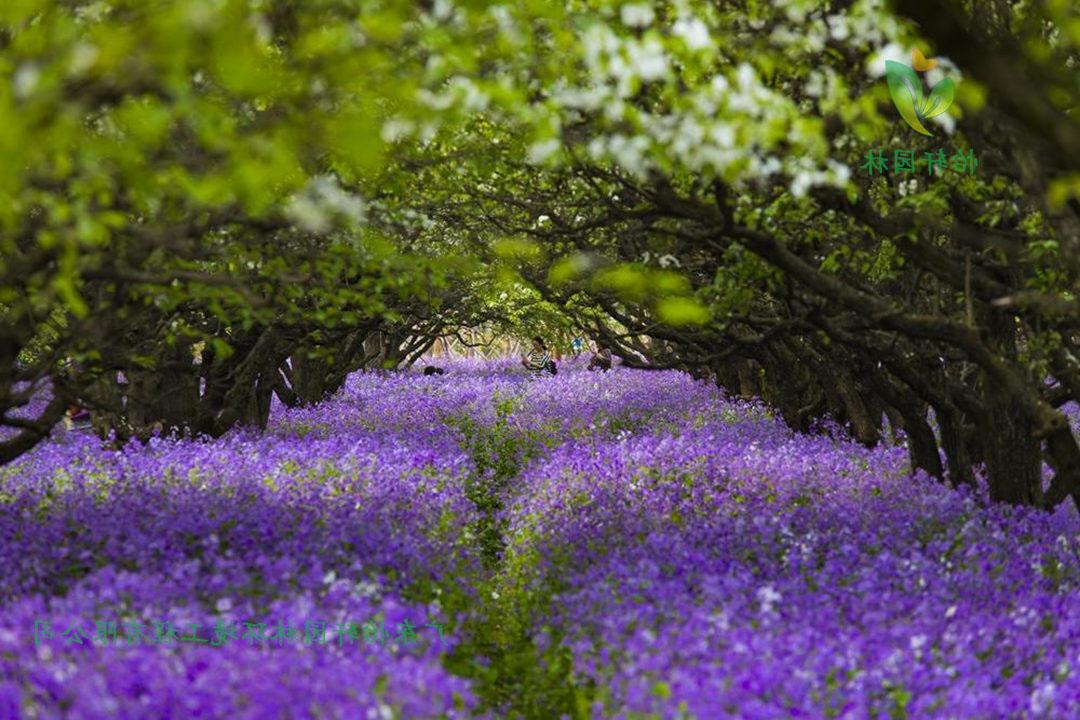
column 367, row 589
column 839, row 172
column 640, row 15
column 723, row 134
column 815, row 36
column 801, row 183
column 630, row 153
column 946, row 121
column 693, row 32
column 395, row 129
column 474, row 100
column 766, row 167
column 83, row 57
column 428, row 131
column 746, row 76
column 264, row 31
column 615, row 109
column 599, row 41
column 588, row 98
column 768, row 597
column 540, row 152
column 507, row 26
column 945, row 68
column 875, row 66
column 460, row 91
column 870, row 22
column 647, row 59
column 443, row 10
column 26, row 79
column 315, row 208
column 796, row 11
column 1042, row 698
column 838, row 27
column 435, row 101
column 94, row 12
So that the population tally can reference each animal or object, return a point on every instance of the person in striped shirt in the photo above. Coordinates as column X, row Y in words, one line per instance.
column 537, row 362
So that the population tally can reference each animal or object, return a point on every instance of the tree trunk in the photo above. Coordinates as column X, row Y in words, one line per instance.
column 909, row 413
column 748, row 378
column 955, row 443
column 310, row 377
column 1011, row 450
column 1012, row 453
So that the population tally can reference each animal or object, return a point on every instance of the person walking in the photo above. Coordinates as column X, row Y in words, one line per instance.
column 601, row 360
column 538, row 362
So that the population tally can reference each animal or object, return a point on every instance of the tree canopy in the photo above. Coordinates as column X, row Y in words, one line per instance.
column 205, row 203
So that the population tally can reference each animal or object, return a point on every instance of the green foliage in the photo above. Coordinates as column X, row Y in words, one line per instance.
column 679, row 311
column 516, row 675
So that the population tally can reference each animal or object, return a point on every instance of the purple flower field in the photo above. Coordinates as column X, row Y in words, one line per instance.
column 625, row 544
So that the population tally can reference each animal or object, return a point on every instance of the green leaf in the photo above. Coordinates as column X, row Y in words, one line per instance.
column 666, row 281
column 221, row 348
column 65, row 282
column 65, row 286
column 682, row 311
column 144, row 122
column 513, row 248
column 971, row 94
column 626, row 280
column 352, row 136
column 243, row 67
column 17, row 11
column 568, row 268
column 146, row 362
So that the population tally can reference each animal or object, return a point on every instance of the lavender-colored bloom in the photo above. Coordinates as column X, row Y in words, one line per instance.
column 696, row 557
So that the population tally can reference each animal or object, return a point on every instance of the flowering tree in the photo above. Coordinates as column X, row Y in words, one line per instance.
column 696, row 185
column 198, row 174
column 704, row 177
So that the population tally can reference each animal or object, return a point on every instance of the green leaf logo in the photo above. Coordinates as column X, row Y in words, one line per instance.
column 905, row 87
